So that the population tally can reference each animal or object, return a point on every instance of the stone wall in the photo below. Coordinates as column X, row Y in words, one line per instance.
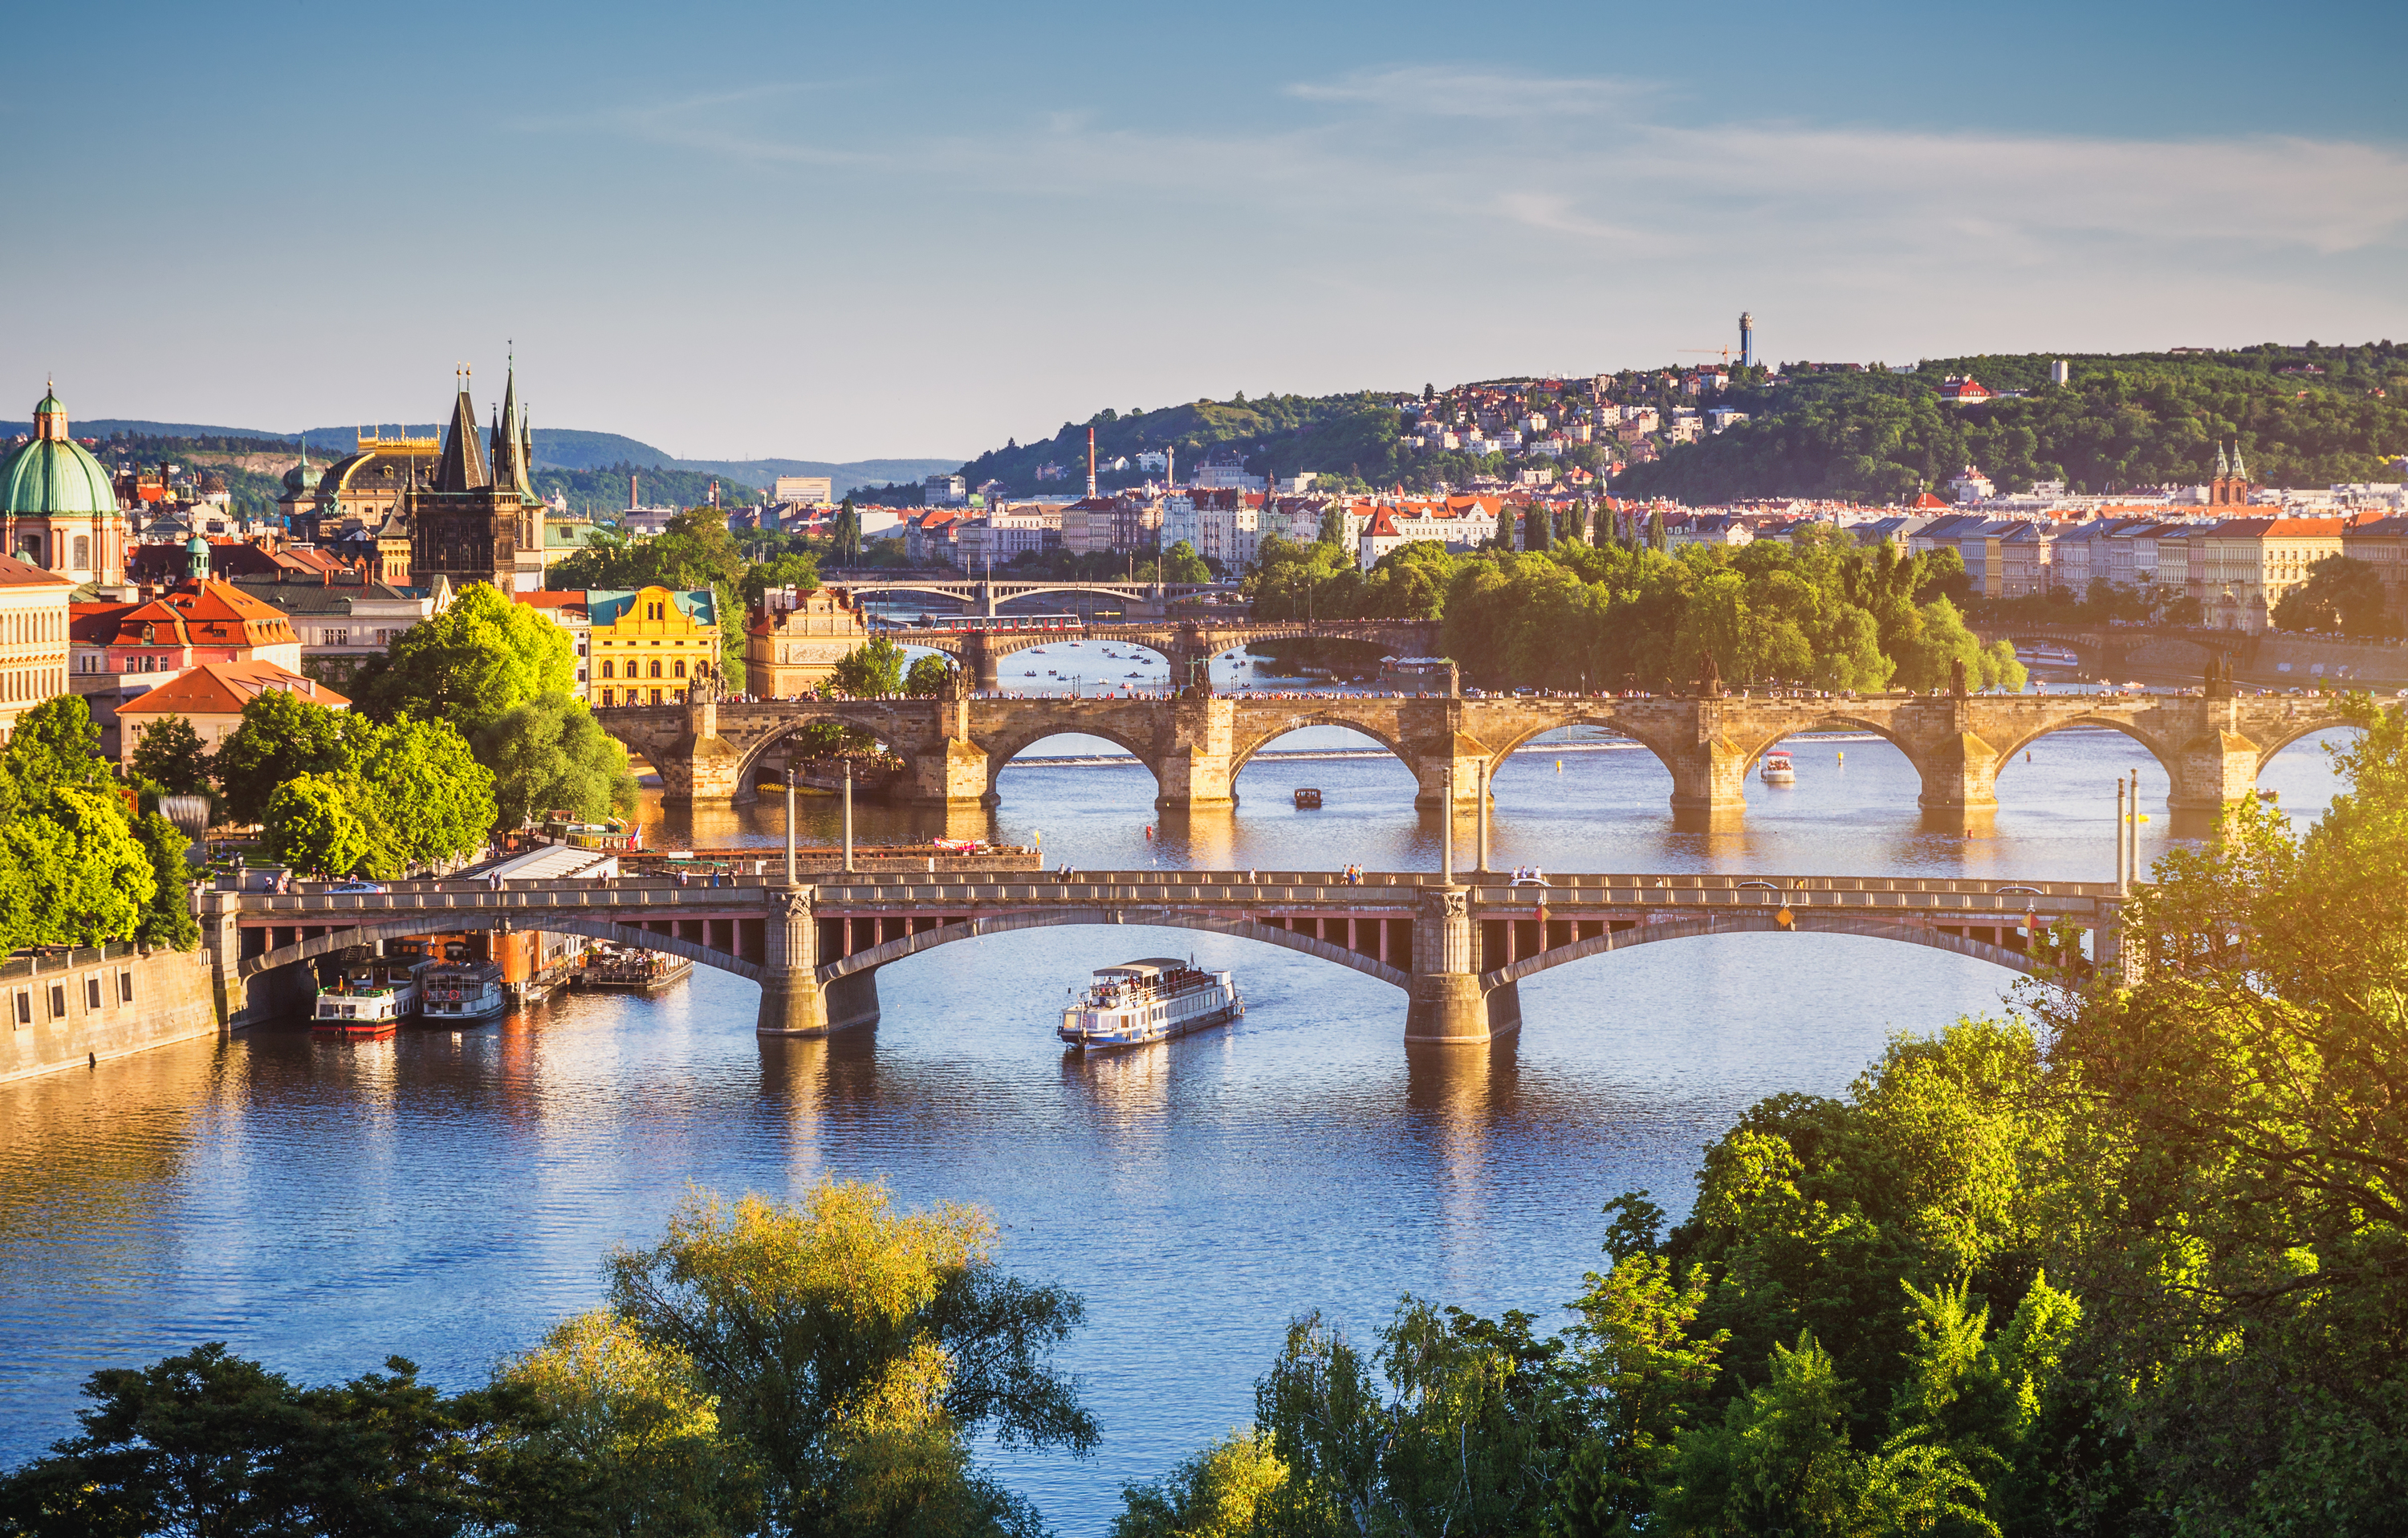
column 65, row 1008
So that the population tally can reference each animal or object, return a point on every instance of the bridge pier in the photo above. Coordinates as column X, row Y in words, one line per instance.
column 1708, row 775
column 1471, row 762
column 1199, row 769
column 1961, row 774
column 2213, row 771
column 1447, row 1002
column 791, row 1002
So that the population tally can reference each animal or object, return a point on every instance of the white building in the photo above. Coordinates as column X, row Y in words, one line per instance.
column 1460, row 524
column 944, row 491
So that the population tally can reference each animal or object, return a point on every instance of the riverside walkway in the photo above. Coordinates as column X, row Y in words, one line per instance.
column 1457, row 949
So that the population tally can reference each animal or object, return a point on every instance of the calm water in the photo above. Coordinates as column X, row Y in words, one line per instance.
column 449, row 1196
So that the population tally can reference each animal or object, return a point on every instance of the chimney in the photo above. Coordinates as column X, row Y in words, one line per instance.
column 1090, row 464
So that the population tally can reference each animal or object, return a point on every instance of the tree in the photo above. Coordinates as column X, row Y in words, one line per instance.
column 872, row 670
column 928, row 676
column 426, row 799
column 1181, row 564
column 209, row 1442
column 1227, row 1491
column 472, row 663
column 282, row 737
column 168, row 921
column 82, row 878
column 2340, row 594
column 310, row 826
column 854, row 1350
column 169, row 754
column 549, row 754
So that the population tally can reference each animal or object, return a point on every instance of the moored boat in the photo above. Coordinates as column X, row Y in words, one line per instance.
column 1149, row 1000
column 368, row 1002
column 463, row 993
column 627, row 969
column 1778, row 769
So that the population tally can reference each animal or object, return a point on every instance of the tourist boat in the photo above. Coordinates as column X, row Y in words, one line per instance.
column 1778, row 769
column 1149, row 1000
column 366, row 1003
column 463, row 993
column 1307, row 796
column 628, row 968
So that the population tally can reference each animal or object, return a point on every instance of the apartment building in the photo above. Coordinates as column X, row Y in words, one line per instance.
column 35, row 638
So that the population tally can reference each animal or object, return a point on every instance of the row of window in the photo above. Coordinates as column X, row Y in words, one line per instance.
column 635, row 697
column 678, row 670
column 33, row 683
column 94, row 988
column 35, row 625
column 29, row 550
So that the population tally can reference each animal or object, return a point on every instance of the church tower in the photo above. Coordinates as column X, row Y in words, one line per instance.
column 2231, row 486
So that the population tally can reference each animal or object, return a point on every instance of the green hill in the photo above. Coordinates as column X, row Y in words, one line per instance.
column 2119, row 421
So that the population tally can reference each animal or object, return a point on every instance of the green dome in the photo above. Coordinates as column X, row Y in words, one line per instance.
column 54, row 475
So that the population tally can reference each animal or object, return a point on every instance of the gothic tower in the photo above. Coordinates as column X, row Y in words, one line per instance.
column 473, row 522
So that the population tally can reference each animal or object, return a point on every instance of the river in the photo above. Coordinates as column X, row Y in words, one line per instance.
column 447, row 1196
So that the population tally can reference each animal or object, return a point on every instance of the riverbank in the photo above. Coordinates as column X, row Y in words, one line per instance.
column 73, row 1009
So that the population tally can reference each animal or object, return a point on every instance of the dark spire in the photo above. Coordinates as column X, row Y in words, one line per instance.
column 513, row 457
column 464, row 467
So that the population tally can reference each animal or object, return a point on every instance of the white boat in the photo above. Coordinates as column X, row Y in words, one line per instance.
column 1149, row 1000
column 463, row 993
column 368, row 1003
column 1777, row 770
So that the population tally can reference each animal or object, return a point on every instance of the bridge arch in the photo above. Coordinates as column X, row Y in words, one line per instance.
column 749, row 767
column 2308, row 726
column 446, row 921
column 1801, row 922
column 1244, row 753
column 895, row 950
column 1001, row 750
column 2168, row 755
column 1602, row 720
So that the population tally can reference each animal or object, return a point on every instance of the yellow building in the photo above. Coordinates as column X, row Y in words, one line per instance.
column 794, row 640
column 649, row 646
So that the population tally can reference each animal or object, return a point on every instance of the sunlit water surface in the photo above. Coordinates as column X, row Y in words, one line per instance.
column 448, row 1196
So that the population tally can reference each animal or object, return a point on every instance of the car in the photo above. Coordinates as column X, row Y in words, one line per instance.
column 356, row 888
column 1529, row 875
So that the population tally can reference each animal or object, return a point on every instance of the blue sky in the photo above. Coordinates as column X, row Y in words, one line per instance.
column 843, row 231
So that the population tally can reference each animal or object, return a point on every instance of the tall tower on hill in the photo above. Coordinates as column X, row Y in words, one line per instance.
column 1746, row 340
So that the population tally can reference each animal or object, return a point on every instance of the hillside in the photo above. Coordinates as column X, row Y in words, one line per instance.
column 2118, row 422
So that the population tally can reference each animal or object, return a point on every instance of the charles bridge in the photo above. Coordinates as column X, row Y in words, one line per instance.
column 1458, row 949
column 954, row 748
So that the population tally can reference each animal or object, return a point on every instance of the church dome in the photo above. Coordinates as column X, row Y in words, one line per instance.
column 54, row 473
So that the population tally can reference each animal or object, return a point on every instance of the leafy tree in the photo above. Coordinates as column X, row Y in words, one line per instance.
column 549, row 754
column 472, row 663
column 83, row 878
column 854, row 1351
column 928, row 676
column 1227, row 1491
column 2340, row 594
column 169, row 754
column 282, row 737
column 168, row 921
column 310, row 826
column 872, row 670
column 789, row 570
column 1181, row 564
column 209, row 1442
column 55, row 744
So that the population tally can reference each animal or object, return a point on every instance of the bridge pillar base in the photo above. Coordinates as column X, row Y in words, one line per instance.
column 792, row 1001
column 1199, row 769
column 706, row 771
column 1471, row 760
column 2213, row 771
column 1708, row 777
column 1961, row 775
column 955, row 778
column 1448, row 1003
column 852, row 1001
column 792, row 1004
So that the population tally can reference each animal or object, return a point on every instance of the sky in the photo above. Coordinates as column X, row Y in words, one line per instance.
column 737, row 231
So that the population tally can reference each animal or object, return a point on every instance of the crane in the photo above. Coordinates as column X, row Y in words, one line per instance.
column 1722, row 352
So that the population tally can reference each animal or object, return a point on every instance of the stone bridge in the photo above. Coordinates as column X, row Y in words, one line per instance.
column 984, row 594
column 1184, row 642
column 2119, row 652
column 2212, row 748
column 1458, row 951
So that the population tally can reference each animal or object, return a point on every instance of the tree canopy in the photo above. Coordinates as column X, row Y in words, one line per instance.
column 474, row 662
column 411, row 793
column 77, row 865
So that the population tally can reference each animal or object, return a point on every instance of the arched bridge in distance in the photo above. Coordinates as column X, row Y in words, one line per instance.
column 981, row 653
column 1458, row 951
column 955, row 749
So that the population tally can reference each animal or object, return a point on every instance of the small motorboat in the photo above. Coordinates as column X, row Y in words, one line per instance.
column 1778, row 768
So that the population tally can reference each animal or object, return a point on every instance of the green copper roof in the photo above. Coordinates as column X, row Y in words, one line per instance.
column 52, row 475
column 50, row 403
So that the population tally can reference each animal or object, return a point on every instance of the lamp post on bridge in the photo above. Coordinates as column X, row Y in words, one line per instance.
column 790, row 818
column 848, row 816
column 1446, row 830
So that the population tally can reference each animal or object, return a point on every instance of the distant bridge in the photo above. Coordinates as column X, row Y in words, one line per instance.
column 1184, row 642
column 984, row 594
column 953, row 749
column 1458, row 951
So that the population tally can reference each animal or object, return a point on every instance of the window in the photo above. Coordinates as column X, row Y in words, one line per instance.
column 82, row 550
column 58, row 1000
column 125, row 986
column 607, row 696
column 657, row 695
column 92, row 992
column 656, row 668
column 25, row 1010
column 651, row 610
column 679, row 667
column 605, row 670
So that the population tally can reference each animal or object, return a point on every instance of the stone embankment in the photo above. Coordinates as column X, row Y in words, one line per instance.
column 70, row 1008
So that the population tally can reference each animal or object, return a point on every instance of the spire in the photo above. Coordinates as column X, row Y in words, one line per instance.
column 2223, row 465
column 513, row 445
column 464, row 467
column 2239, row 471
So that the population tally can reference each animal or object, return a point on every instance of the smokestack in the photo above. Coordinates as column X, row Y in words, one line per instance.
column 632, row 503
column 1746, row 340
column 1170, row 465
column 1090, row 464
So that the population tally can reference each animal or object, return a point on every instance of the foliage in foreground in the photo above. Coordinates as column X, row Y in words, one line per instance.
column 78, row 866
column 812, row 1370
column 2151, row 1280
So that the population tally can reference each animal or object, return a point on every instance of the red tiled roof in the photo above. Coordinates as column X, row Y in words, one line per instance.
column 543, row 598
column 17, row 573
column 222, row 688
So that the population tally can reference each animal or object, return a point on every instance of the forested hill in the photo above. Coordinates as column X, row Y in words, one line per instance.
column 2119, row 423
column 1352, row 437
